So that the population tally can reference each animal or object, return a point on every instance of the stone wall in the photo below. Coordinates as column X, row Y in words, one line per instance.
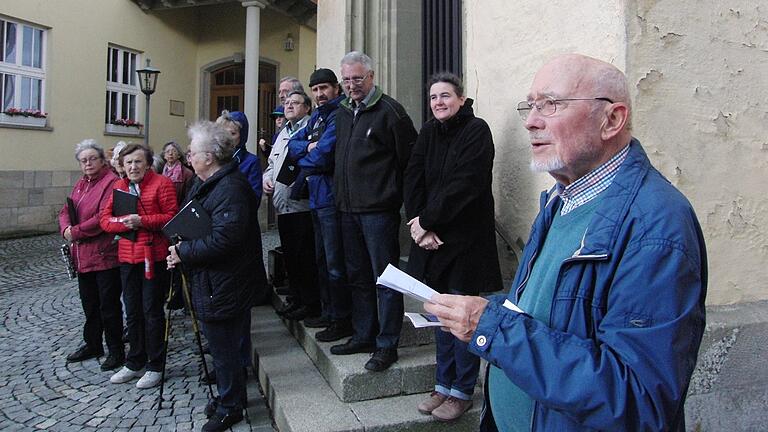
column 31, row 200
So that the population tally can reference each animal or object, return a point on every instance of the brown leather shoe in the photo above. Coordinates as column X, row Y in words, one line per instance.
column 451, row 409
column 435, row 400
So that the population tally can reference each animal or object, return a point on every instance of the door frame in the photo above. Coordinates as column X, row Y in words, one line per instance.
column 206, row 71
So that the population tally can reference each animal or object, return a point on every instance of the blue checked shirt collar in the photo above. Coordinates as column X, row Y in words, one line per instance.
column 589, row 186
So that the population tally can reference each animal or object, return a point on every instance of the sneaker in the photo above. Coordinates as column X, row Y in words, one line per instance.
column 337, row 330
column 149, row 380
column 84, row 353
column 114, row 360
column 317, row 322
column 382, row 359
column 435, row 400
column 219, row 423
column 451, row 409
column 124, row 375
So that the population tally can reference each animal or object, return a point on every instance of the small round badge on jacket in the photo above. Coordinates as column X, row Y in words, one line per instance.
column 481, row 341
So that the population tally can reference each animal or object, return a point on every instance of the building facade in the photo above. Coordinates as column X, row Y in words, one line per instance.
column 67, row 72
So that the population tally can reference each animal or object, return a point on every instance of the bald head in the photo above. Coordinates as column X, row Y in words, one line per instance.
column 581, row 117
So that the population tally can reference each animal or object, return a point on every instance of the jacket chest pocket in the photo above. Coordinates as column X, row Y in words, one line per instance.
column 580, row 299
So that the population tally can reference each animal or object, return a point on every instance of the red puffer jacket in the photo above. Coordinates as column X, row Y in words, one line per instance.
column 157, row 205
column 93, row 249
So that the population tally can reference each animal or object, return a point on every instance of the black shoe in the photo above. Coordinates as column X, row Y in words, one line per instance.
column 297, row 314
column 288, row 306
column 352, row 347
column 382, row 359
column 113, row 361
column 210, row 407
column 84, row 353
column 218, row 423
column 337, row 330
column 317, row 322
column 211, row 376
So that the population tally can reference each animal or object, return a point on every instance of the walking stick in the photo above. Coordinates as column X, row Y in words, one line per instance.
column 165, row 343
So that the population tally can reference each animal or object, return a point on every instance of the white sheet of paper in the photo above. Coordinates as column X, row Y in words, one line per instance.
column 511, row 306
column 402, row 282
column 420, row 320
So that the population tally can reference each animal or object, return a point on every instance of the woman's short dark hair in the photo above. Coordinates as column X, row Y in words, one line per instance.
column 449, row 78
column 132, row 147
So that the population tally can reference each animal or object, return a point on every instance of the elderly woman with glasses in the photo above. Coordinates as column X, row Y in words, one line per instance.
column 95, row 258
column 222, row 266
column 449, row 203
column 176, row 170
column 142, row 249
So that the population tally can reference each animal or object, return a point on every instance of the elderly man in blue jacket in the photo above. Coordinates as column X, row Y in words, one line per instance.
column 603, row 323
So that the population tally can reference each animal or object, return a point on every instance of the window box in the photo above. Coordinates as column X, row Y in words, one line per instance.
column 20, row 120
column 122, row 130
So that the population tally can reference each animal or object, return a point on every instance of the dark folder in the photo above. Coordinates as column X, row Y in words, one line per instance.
column 288, row 172
column 191, row 222
column 73, row 219
column 124, row 203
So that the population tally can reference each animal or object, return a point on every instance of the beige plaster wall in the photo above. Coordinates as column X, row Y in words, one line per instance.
column 503, row 48
column 700, row 81
column 76, row 59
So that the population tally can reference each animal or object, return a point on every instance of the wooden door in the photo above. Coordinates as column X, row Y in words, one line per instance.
column 227, row 90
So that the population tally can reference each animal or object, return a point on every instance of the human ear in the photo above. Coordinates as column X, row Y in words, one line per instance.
column 616, row 118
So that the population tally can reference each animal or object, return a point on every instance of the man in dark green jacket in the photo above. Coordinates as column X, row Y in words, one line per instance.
column 374, row 136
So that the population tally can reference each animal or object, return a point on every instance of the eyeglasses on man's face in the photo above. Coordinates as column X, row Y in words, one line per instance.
column 548, row 106
column 290, row 102
column 356, row 80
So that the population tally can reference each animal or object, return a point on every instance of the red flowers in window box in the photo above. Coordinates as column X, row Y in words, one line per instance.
column 25, row 113
column 127, row 122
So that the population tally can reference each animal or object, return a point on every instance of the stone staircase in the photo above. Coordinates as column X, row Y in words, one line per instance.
column 309, row 389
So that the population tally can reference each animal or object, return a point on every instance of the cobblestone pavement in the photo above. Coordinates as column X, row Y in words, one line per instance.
column 42, row 323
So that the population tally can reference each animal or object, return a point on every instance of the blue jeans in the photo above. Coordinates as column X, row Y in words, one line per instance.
column 144, row 310
column 457, row 369
column 224, row 338
column 370, row 243
column 331, row 274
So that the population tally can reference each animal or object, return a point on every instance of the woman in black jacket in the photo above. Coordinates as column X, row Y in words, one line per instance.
column 449, row 203
column 222, row 266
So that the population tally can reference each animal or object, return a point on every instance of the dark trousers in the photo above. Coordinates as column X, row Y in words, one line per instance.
column 297, row 237
column 144, row 311
column 457, row 368
column 331, row 272
column 100, row 296
column 370, row 243
column 224, row 337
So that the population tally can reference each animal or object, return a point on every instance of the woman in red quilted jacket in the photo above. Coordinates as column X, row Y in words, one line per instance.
column 95, row 257
column 142, row 267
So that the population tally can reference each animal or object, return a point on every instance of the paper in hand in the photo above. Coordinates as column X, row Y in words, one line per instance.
column 420, row 320
column 398, row 280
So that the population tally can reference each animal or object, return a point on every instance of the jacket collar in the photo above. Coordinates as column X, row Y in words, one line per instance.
column 99, row 175
column 463, row 115
column 211, row 181
column 329, row 106
column 377, row 94
column 613, row 206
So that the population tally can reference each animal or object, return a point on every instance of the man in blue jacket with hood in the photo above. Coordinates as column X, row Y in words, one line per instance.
column 603, row 323
column 314, row 148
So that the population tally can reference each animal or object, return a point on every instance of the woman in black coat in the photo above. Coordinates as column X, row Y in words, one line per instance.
column 222, row 266
column 449, row 202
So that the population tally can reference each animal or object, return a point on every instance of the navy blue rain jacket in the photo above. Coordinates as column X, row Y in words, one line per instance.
column 627, row 314
column 317, row 164
column 249, row 163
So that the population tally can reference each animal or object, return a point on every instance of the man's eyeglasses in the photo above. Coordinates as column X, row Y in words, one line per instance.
column 547, row 107
column 91, row 159
column 292, row 102
column 356, row 80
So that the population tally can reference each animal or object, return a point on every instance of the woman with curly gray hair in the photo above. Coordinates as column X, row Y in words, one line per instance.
column 223, row 267
column 95, row 257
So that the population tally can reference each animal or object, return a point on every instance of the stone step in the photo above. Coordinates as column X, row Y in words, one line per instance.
column 302, row 400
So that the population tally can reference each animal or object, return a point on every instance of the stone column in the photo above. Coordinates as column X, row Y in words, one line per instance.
column 252, row 28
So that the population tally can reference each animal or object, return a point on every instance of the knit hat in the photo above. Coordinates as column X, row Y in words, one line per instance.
column 322, row 76
column 279, row 111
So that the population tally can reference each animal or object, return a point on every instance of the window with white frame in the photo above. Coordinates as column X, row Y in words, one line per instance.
column 22, row 72
column 122, row 90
